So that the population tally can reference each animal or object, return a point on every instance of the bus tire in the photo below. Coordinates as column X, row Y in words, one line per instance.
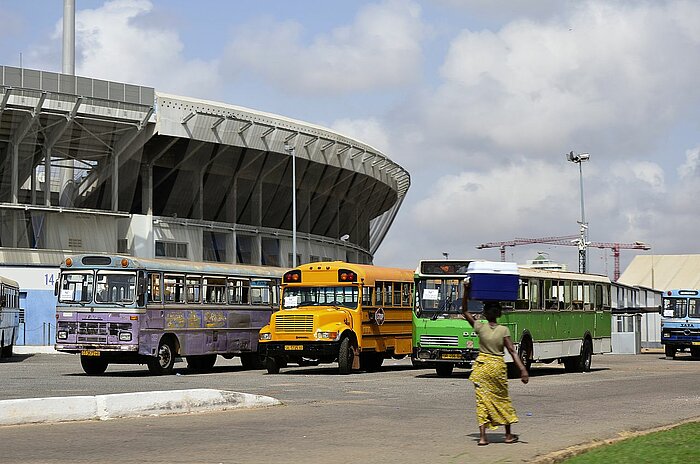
column 346, row 355
column 6, row 351
column 585, row 359
column 670, row 351
column 273, row 365
column 251, row 361
column 444, row 369
column 371, row 362
column 201, row 363
column 93, row 365
column 164, row 361
column 695, row 351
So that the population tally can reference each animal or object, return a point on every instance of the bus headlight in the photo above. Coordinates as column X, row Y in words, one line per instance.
column 124, row 336
column 62, row 335
column 326, row 335
column 265, row 336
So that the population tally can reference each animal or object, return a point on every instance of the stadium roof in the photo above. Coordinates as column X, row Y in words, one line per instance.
column 663, row 272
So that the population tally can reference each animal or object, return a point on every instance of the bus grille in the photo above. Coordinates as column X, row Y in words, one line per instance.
column 294, row 323
column 93, row 332
column 439, row 340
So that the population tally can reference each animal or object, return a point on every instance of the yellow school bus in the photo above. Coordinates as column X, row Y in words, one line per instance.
column 355, row 314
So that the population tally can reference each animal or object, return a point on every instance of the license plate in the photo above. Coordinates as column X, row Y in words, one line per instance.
column 696, row 343
column 89, row 353
column 451, row 356
column 293, row 347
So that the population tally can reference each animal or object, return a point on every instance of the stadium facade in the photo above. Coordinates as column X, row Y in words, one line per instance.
column 88, row 165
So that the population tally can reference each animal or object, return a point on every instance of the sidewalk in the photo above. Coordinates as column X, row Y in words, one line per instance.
column 104, row 407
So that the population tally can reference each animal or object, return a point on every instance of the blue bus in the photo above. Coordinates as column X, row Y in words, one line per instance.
column 680, row 322
column 121, row 309
column 9, row 316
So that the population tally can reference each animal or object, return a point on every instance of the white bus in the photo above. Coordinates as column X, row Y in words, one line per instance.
column 9, row 315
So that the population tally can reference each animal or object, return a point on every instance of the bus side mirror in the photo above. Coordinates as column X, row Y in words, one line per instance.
column 55, row 287
column 3, row 300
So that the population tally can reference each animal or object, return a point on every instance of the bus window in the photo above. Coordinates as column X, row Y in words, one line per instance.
column 367, row 296
column 194, row 289
column 523, row 301
column 406, row 295
column 378, row 294
column 550, row 296
column 694, row 307
column 598, row 297
column 387, row 294
column 260, row 292
column 587, row 296
column 173, row 288
column 154, row 287
column 76, row 287
column 238, row 291
column 567, row 295
column 534, row 294
column 397, row 294
column 214, row 290
column 115, row 287
column 577, row 293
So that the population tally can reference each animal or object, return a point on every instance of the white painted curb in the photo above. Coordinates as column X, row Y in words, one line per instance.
column 103, row 407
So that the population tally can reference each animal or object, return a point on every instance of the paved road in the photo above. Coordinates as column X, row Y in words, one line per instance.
column 397, row 415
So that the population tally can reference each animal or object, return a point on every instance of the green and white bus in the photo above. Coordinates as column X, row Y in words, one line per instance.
column 558, row 316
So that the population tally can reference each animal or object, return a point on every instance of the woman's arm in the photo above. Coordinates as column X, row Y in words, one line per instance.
column 524, row 376
column 465, row 307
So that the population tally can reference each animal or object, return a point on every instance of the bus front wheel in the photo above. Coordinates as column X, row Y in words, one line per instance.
column 164, row 361
column 273, row 365
column 93, row 365
column 346, row 356
column 444, row 369
column 695, row 351
column 670, row 351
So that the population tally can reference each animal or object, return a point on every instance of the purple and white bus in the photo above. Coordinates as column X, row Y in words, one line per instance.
column 120, row 309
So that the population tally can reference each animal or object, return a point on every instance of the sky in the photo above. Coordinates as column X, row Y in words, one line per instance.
column 479, row 100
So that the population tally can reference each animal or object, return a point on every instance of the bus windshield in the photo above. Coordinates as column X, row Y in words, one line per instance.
column 440, row 296
column 297, row 297
column 115, row 287
column 76, row 287
column 681, row 307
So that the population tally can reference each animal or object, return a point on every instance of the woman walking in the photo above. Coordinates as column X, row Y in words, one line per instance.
column 493, row 404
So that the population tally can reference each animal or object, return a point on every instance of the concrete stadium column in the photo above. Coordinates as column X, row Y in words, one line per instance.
column 47, row 175
column 147, row 189
column 200, row 195
column 14, row 184
column 231, row 207
column 115, row 182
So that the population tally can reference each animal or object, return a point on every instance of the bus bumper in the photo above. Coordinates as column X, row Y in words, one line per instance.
column 432, row 356
column 323, row 351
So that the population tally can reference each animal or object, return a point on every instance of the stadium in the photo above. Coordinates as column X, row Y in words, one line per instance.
column 88, row 165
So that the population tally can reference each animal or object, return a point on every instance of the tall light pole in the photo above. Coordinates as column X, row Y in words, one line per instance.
column 290, row 149
column 582, row 241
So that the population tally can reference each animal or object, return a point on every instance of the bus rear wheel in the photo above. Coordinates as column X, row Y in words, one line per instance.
column 670, row 351
column 93, row 365
column 371, row 362
column 251, row 361
column 201, row 363
column 164, row 361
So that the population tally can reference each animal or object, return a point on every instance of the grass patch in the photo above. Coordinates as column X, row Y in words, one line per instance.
column 677, row 445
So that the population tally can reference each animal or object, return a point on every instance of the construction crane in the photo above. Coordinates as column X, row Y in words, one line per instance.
column 569, row 240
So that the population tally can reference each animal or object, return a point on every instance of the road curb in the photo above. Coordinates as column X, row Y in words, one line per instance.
column 104, row 407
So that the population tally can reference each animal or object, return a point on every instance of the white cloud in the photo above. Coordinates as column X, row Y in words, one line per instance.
column 690, row 168
column 539, row 87
column 369, row 131
column 381, row 49
column 112, row 45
